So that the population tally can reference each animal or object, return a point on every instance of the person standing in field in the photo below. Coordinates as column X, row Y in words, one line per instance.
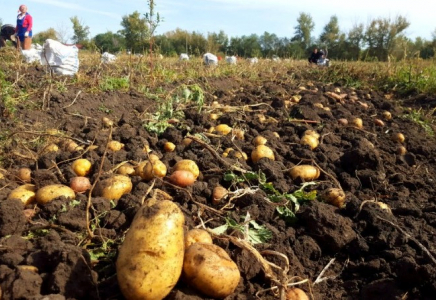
column 23, row 31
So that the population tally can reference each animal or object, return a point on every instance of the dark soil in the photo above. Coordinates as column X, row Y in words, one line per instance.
column 378, row 254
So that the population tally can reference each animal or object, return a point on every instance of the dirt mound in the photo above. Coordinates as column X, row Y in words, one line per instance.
column 359, row 251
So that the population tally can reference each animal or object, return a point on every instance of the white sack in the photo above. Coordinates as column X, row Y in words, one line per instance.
column 108, row 58
column 184, row 56
column 210, row 59
column 64, row 60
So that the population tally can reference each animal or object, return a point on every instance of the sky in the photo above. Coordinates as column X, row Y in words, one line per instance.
column 235, row 18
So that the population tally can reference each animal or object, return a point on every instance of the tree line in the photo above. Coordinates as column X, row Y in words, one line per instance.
column 381, row 39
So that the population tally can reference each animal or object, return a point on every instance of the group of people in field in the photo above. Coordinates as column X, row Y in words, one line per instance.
column 20, row 34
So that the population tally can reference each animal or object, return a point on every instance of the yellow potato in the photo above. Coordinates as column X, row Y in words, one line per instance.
column 305, row 172
column 197, row 235
column 310, row 140
column 114, row 187
column 262, row 151
column 150, row 260
column 223, row 129
column 209, row 269
column 187, row 165
column 53, row 191
column 81, row 166
column 24, row 174
column 115, row 146
column 333, row 196
column 259, row 140
column 126, row 169
column 154, row 169
column 169, row 147
column 25, row 193
column 296, row 294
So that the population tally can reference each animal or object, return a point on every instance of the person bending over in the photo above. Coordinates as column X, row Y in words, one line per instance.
column 7, row 33
column 315, row 56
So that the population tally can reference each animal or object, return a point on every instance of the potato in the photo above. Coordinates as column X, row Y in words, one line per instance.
column 154, row 169
column 305, row 172
column 218, row 194
column 107, row 122
column 223, row 129
column 312, row 133
column 81, row 166
column 210, row 270
column 343, row 121
column 182, row 178
column 187, row 165
column 310, row 140
column 50, row 148
column 72, row 146
column 53, row 191
column 262, row 151
column 126, row 169
column 259, row 140
column 387, row 115
column 379, row 122
column 114, row 187
column 169, row 147
column 24, row 174
column 334, row 196
column 357, row 122
column 239, row 133
column 115, row 146
column 296, row 294
column 214, row 116
column 139, row 169
column 398, row 137
column 80, row 184
column 197, row 235
column 150, row 260
column 25, row 193
column 401, row 150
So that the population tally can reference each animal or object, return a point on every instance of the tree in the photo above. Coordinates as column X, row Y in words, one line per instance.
column 63, row 33
column 303, row 30
column 219, row 42
column 381, row 36
column 269, row 44
column 135, row 32
column 42, row 36
column 81, row 31
column 331, row 35
column 109, row 42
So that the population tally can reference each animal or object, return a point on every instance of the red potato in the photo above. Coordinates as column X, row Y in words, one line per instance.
column 187, row 165
column 182, row 178
column 80, row 184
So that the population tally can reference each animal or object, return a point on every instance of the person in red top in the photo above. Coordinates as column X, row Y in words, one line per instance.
column 24, row 25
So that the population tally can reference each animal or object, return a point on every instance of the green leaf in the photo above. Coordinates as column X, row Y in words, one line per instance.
column 220, row 229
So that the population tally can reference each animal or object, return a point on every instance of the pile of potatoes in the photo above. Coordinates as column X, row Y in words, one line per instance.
column 156, row 253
